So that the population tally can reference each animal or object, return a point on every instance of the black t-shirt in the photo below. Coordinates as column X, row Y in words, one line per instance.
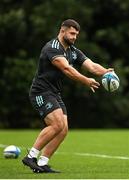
column 48, row 77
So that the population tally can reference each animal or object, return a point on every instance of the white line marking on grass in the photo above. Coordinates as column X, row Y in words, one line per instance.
column 3, row 146
column 81, row 154
column 102, row 156
column 96, row 155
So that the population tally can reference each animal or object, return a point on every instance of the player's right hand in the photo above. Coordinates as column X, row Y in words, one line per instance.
column 93, row 84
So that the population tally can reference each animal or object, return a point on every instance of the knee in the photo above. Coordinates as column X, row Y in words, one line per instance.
column 58, row 126
column 64, row 131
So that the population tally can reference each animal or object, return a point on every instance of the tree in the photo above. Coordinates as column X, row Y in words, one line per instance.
column 25, row 26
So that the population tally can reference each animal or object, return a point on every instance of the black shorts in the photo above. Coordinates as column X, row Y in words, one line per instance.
column 47, row 102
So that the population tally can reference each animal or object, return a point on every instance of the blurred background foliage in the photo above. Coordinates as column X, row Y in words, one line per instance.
column 26, row 25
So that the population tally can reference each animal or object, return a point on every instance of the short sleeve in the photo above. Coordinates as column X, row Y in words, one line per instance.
column 52, row 53
column 81, row 57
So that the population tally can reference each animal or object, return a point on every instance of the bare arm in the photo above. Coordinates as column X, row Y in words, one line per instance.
column 72, row 73
column 95, row 68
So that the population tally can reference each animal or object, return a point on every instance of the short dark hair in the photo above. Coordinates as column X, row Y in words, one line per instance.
column 71, row 23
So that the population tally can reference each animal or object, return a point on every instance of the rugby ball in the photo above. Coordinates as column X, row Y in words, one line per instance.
column 110, row 81
column 12, row 152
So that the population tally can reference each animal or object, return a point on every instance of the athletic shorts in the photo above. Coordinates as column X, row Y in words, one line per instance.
column 47, row 102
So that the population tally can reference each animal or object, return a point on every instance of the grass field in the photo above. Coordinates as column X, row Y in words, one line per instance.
column 85, row 154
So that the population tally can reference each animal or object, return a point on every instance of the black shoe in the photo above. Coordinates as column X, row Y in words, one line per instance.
column 47, row 169
column 32, row 163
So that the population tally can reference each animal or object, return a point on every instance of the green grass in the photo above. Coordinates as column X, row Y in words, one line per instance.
column 73, row 166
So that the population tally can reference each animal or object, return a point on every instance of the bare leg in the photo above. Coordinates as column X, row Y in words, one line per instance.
column 55, row 124
column 51, row 147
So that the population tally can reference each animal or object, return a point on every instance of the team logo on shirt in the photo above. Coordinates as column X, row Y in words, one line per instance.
column 74, row 55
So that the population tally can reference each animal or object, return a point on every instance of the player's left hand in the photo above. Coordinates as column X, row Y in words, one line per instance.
column 110, row 70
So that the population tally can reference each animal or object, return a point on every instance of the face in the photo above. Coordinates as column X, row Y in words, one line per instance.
column 70, row 35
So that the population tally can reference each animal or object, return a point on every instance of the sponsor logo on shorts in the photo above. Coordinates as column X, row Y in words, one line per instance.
column 49, row 105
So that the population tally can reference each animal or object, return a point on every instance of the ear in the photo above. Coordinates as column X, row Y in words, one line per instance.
column 63, row 29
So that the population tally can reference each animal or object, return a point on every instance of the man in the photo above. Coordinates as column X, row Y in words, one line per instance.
column 57, row 59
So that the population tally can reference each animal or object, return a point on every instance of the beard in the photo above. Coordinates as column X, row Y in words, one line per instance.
column 68, row 41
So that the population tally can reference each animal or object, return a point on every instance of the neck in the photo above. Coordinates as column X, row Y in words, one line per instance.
column 63, row 43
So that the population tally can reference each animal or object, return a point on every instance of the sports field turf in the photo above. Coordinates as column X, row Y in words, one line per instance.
column 85, row 154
